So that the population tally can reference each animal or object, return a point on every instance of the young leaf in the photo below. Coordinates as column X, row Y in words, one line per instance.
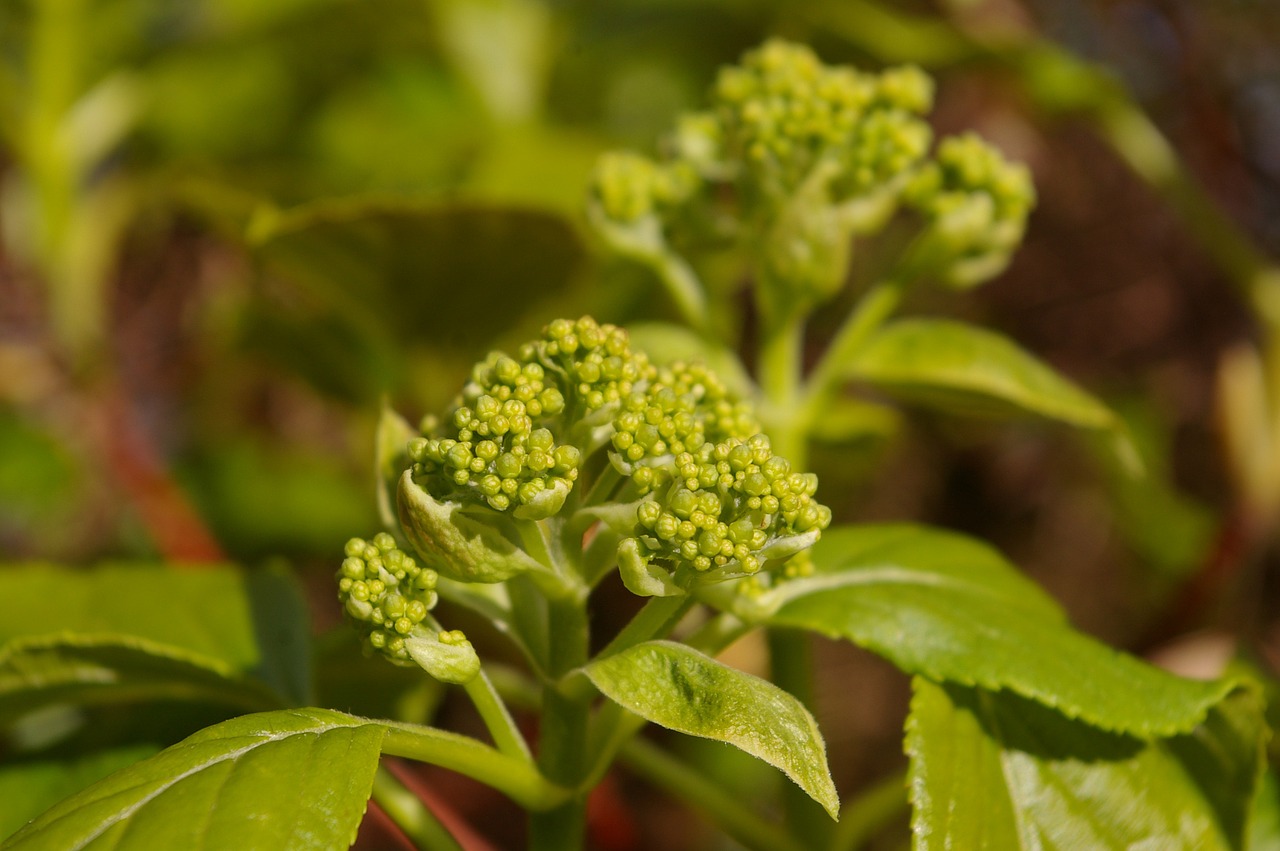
column 962, row 369
column 248, row 622
column 951, row 610
column 686, row 691
column 995, row 771
column 42, row 671
column 290, row 779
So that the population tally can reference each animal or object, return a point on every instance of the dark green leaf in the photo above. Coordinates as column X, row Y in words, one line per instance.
column 995, row 771
column 966, row 370
column 295, row 779
column 684, row 690
column 43, row 671
column 952, row 610
column 244, row 622
column 438, row 275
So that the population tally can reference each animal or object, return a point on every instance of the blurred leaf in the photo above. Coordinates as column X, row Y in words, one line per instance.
column 406, row 127
column 30, row 787
column 37, row 672
column 683, row 690
column 248, row 623
column 994, row 771
column 436, row 275
column 953, row 610
column 536, row 164
column 271, row 500
column 295, row 779
column 962, row 369
column 1264, row 824
column 502, row 48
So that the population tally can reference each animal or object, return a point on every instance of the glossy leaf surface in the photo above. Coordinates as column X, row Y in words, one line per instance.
column 295, row 779
column 684, row 690
column 948, row 608
column 995, row 771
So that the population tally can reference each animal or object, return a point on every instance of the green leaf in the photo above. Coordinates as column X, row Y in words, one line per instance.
column 391, row 457
column 995, row 771
column 950, row 609
column 244, row 622
column 966, row 370
column 429, row 274
column 276, row 780
column 43, row 671
column 686, row 691
column 30, row 787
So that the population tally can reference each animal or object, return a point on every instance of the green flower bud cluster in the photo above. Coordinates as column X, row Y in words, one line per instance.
column 782, row 113
column 727, row 506
column 513, row 440
column 629, row 187
column 977, row 202
column 386, row 593
column 680, row 409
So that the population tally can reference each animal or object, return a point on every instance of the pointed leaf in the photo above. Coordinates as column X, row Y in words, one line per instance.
column 966, row 370
column 684, row 690
column 995, row 771
column 280, row 780
column 952, row 610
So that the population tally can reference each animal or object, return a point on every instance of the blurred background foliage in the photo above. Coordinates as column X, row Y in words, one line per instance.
column 230, row 227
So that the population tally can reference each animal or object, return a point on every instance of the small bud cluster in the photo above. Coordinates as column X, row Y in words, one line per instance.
column 630, row 187
column 681, row 408
column 977, row 199
column 386, row 593
column 782, row 112
column 724, row 504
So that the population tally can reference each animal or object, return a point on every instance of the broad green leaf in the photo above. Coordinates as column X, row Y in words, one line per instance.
column 1264, row 824
column 78, row 668
column 966, row 370
column 949, row 609
column 248, row 622
column 276, row 780
column 995, row 771
column 30, row 787
column 686, row 691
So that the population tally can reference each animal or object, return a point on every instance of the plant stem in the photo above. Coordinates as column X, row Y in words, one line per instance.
column 563, row 737
column 497, row 719
column 866, row 814
column 684, row 287
column 410, row 814
column 513, row 777
column 871, row 311
column 730, row 813
column 780, row 369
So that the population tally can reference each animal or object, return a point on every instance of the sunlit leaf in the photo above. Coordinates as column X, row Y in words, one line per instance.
column 683, row 690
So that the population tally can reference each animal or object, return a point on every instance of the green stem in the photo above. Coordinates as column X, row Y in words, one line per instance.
column 683, row 286
column 563, row 737
column 686, row 784
column 868, row 813
column 410, row 814
column 872, row 310
column 497, row 719
column 513, row 777
column 780, row 368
